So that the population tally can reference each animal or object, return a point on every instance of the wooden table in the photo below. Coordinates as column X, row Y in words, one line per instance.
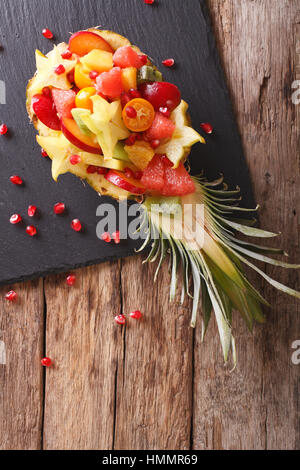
column 153, row 385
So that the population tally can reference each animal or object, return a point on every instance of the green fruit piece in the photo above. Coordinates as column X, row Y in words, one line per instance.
column 77, row 114
column 149, row 74
column 120, row 153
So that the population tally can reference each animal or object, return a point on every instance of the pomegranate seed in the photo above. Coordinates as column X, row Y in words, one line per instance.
column 66, row 55
column 75, row 159
column 15, row 219
column 32, row 211
column 144, row 59
column 46, row 362
column 102, row 171
column 137, row 315
column 149, row 2
column 116, row 237
column 106, row 237
column 134, row 93
column 47, row 91
column 207, row 127
column 138, row 175
column 165, row 112
column 128, row 173
column 71, row 279
column 3, row 129
column 120, row 319
column 131, row 140
column 60, row 69
column 139, row 136
column 59, row 208
column 93, row 75
column 47, row 33
column 155, row 143
column 76, row 225
column 16, row 180
column 31, row 230
column 71, row 76
column 44, row 153
column 125, row 98
column 131, row 112
column 168, row 62
column 91, row 169
column 11, row 296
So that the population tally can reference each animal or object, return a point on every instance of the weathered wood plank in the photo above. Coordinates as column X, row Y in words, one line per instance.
column 85, row 345
column 21, row 373
column 256, row 407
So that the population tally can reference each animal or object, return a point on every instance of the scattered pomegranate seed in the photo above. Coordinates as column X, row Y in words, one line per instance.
column 47, row 91
column 32, row 211
column 131, row 112
column 168, row 62
column 11, row 296
column 144, row 59
column 102, row 171
column 60, row 69
column 120, row 319
column 71, row 76
column 16, row 180
column 149, row 2
column 75, row 159
column 66, row 55
column 76, row 225
column 71, row 279
column 128, row 173
column 125, row 98
column 46, row 362
column 3, row 129
column 93, row 75
column 31, row 230
column 106, row 237
column 91, row 169
column 155, row 143
column 47, row 33
column 59, row 208
column 165, row 112
column 44, row 153
column 207, row 127
column 15, row 219
column 137, row 315
column 131, row 140
column 134, row 93
column 116, row 237
column 138, row 175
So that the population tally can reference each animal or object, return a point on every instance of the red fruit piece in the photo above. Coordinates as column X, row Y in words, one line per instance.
column 11, row 296
column 161, row 94
column 131, row 140
column 44, row 153
column 75, row 159
column 76, row 225
column 106, row 237
column 45, row 110
column 31, row 230
column 153, row 176
column 207, row 127
column 165, row 112
column 91, row 169
column 3, row 129
column 134, row 93
column 47, row 33
column 120, row 319
column 31, row 211
column 60, row 69
column 137, row 315
column 64, row 102
column 16, row 180
column 110, row 83
column 161, row 128
column 177, row 182
column 59, row 208
column 15, row 219
column 168, row 62
column 67, row 55
column 116, row 237
column 47, row 91
column 71, row 280
column 93, row 75
column 155, row 144
column 83, row 42
column 126, row 57
column 46, row 362
column 131, row 112
column 125, row 98
column 149, row 2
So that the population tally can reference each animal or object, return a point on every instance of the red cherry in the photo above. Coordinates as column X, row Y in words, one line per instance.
column 131, row 112
column 71, row 279
column 165, row 112
column 32, row 211
column 44, row 153
column 60, row 69
column 47, row 33
column 16, row 180
column 93, row 75
column 116, row 237
column 168, row 62
column 125, row 98
column 46, row 362
column 76, row 225
column 67, row 54
column 128, row 173
column 134, row 93
column 75, row 159
column 91, row 169
column 31, row 230
column 207, row 127
column 131, row 140
column 161, row 95
column 59, row 208
column 15, row 219
column 11, row 296
column 106, row 237
column 155, row 144
column 3, row 129
column 137, row 315
column 120, row 319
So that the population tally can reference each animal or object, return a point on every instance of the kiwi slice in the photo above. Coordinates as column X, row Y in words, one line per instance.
column 149, row 74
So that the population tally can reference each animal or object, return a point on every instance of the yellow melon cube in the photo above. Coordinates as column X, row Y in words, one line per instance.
column 129, row 78
column 100, row 61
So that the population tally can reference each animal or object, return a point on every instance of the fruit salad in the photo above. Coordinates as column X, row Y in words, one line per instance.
column 104, row 113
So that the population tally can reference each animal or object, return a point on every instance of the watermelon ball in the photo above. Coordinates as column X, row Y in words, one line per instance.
column 127, row 57
column 64, row 102
column 110, row 83
column 153, row 175
column 161, row 128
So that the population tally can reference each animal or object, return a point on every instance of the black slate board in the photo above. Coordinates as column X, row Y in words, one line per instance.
column 170, row 28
